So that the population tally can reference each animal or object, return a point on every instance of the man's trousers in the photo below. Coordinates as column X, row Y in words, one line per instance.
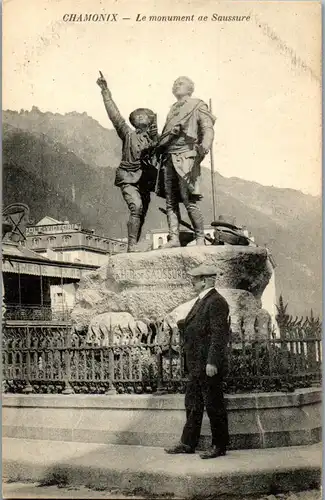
column 203, row 391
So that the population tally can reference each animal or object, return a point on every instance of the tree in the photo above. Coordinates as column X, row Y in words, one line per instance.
column 282, row 317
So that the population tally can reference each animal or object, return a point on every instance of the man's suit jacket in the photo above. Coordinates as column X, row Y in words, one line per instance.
column 206, row 334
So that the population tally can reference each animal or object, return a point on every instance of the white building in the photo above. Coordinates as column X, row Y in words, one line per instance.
column 66, row 242
column 61, row 241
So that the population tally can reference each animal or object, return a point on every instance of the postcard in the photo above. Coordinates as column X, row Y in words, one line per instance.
column 161, row 248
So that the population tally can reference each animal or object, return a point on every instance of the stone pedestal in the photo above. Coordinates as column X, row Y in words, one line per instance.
column 150, row 285
column 260, row 420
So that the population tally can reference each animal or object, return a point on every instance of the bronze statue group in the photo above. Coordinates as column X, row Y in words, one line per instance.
column 169, row 164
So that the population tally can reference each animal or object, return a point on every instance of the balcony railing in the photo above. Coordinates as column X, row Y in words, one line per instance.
column 35, row 313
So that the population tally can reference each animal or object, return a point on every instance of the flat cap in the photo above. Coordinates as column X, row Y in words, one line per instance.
column 203, row 270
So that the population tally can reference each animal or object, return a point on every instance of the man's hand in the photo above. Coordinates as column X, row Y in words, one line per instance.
column 211, row 370
column 153, row 129
column 201, row 150
column 175, row 130
column 102, row 82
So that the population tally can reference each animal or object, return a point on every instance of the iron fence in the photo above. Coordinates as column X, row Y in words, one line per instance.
column 58, row 359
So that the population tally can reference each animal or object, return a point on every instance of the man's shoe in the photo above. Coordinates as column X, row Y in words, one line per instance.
column 179, row 448
column 213, row 452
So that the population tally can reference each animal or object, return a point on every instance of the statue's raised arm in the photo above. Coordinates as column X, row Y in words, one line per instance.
column 113, row 112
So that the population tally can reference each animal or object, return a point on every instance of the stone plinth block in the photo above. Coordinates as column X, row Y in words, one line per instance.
column 151, row 284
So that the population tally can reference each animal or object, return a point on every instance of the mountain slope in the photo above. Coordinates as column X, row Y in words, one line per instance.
column 78, row 132
column 54, row 181
column 282, row 205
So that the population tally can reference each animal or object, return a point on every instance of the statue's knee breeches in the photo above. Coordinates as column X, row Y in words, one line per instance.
column 171, row 186
column 133, row 199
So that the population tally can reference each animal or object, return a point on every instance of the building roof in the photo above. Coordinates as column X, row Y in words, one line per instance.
column 47, row 221
column 20, row 260
column 13, row 250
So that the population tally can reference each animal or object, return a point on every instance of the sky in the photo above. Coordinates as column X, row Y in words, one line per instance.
column 263, row 76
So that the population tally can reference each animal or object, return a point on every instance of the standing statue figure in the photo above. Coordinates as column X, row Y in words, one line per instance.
column 135, row 177
column 185, row 140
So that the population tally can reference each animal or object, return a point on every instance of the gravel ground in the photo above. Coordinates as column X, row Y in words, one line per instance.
column 34, row 490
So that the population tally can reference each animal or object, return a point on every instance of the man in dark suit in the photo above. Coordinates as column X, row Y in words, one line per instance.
column 206, row 333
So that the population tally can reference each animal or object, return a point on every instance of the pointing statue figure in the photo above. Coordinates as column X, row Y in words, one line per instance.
column 185, row 140
column 135, row 176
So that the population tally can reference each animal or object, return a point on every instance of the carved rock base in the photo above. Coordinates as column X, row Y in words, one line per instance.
column 151, row 284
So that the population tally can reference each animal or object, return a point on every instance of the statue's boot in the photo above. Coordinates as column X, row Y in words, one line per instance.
column 173, row 242
column 173, row 225
column 196, row 218
column 142, row 218
column 200, row 241
column 134, row 226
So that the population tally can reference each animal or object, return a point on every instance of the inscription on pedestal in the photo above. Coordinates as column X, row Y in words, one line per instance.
column 151, row 275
